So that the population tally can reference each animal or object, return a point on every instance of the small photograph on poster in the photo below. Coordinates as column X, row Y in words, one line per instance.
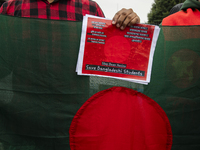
column 107, row 51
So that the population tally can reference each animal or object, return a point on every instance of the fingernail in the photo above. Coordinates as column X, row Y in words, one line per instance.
column 122, row 28
column 118, row 25
column 113, row 22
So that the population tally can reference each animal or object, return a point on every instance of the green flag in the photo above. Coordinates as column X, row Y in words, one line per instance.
column 175, row 82
column 40, row 91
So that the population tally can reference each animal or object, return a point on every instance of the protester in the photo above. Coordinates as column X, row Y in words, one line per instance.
column 59, row 10
column 51, row 9
column 189, row 15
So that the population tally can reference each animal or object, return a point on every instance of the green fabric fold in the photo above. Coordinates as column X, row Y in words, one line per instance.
column 191, row 4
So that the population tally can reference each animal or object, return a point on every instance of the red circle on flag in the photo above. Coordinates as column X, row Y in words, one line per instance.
column 117, row 49
column 120, row 119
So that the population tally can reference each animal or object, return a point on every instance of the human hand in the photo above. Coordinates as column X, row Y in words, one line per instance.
column 125, row 17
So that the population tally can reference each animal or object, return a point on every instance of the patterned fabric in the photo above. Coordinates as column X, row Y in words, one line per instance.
column 73, row 10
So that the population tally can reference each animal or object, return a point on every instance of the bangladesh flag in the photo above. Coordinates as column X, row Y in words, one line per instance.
column 45, row 105
column 175, row 82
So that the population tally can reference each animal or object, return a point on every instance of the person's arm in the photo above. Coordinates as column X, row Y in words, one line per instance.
column 125, row 17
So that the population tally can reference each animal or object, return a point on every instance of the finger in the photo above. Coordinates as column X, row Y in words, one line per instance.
column 119, row 16
column 134, row 20
column 123, row 16
column 115, row 18
column 129, row 20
